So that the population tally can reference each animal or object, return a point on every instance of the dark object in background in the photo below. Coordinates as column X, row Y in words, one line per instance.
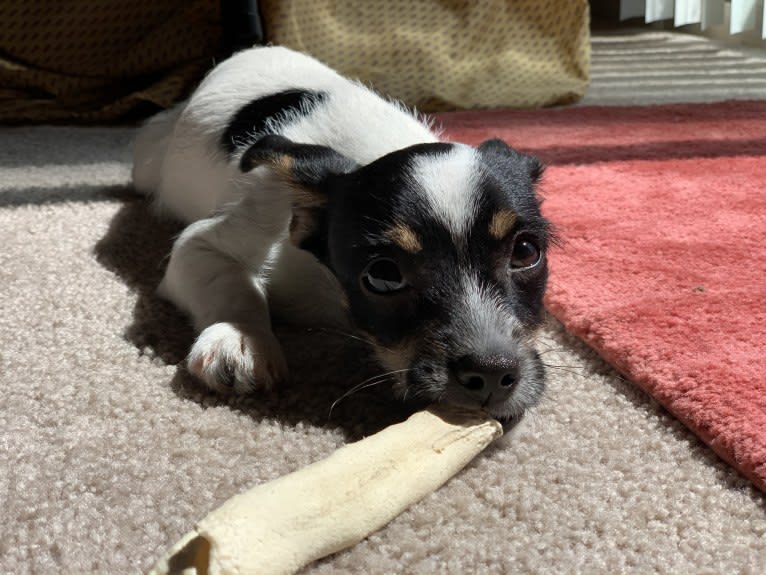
column 242, row 25
column 84, row 61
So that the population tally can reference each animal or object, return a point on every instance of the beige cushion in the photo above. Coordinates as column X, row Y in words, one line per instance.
column 445, row 54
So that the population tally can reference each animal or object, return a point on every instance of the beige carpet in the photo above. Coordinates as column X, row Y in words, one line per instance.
column 108, row 453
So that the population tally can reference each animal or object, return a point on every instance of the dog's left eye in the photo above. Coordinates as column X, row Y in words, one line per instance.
column 382, row 276
column 525, row 254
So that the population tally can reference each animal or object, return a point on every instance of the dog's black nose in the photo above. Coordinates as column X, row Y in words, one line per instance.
column 484, row 378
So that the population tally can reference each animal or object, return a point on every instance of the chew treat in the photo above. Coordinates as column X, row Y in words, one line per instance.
column 280, row 526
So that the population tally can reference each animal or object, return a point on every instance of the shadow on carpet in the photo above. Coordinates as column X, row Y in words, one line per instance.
column 323, row 364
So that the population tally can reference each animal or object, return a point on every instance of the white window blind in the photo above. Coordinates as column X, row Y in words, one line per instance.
column 744, row 15
column 687, row 12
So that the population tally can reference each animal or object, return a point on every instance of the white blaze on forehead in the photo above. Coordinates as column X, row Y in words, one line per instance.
column 450, row 184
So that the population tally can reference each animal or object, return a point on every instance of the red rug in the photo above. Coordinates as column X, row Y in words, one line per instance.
column 662, row 210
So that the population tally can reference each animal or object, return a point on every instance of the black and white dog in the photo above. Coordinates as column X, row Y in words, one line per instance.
column 309, row 196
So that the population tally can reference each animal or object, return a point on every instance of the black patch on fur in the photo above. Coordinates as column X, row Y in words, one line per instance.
column 425, row 319
column 253, row 117
column 366, row 203
column 351, row 226
column 510, row 181
column 500, row 156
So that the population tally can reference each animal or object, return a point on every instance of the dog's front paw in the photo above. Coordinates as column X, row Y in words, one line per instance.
column 227, row 358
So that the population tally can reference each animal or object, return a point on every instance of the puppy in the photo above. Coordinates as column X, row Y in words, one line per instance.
column 310, row 197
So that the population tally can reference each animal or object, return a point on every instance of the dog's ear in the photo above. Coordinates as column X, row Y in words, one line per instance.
column 497, row 150
column 306, row 165
column 307, row 171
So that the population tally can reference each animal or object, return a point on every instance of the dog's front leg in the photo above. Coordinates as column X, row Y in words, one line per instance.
column 218, row 274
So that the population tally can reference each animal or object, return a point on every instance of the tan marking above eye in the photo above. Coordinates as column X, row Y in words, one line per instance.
column 502, row 222
column 403, row 236
column 283, row 162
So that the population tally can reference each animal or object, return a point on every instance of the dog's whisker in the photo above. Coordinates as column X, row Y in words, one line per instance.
column 574, row 370
column 551, row 350
column 388, row 373
column 540, row 342
column 367, row 383
column 356, row 389
column 565, row 366
column 352, row 336
column 422, row 392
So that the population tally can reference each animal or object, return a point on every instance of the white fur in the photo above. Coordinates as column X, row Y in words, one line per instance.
column 450, row 184
column 234, row 263
column 196, row 177
column 483, row 318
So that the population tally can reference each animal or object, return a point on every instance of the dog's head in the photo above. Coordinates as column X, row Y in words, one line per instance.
column 441, row 251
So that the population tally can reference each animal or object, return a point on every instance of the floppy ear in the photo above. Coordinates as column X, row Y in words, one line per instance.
column 498, row 150
column 306, row 170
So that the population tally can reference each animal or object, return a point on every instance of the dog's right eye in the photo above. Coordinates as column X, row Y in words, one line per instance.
column 382, row 276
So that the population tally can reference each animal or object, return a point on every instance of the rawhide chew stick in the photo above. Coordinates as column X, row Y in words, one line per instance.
column 280, row 526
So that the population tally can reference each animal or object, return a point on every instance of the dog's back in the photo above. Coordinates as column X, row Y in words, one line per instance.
column 189, row 156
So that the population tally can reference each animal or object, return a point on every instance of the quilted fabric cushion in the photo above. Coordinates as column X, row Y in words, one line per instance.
column 446, row 55
column 94, row 61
